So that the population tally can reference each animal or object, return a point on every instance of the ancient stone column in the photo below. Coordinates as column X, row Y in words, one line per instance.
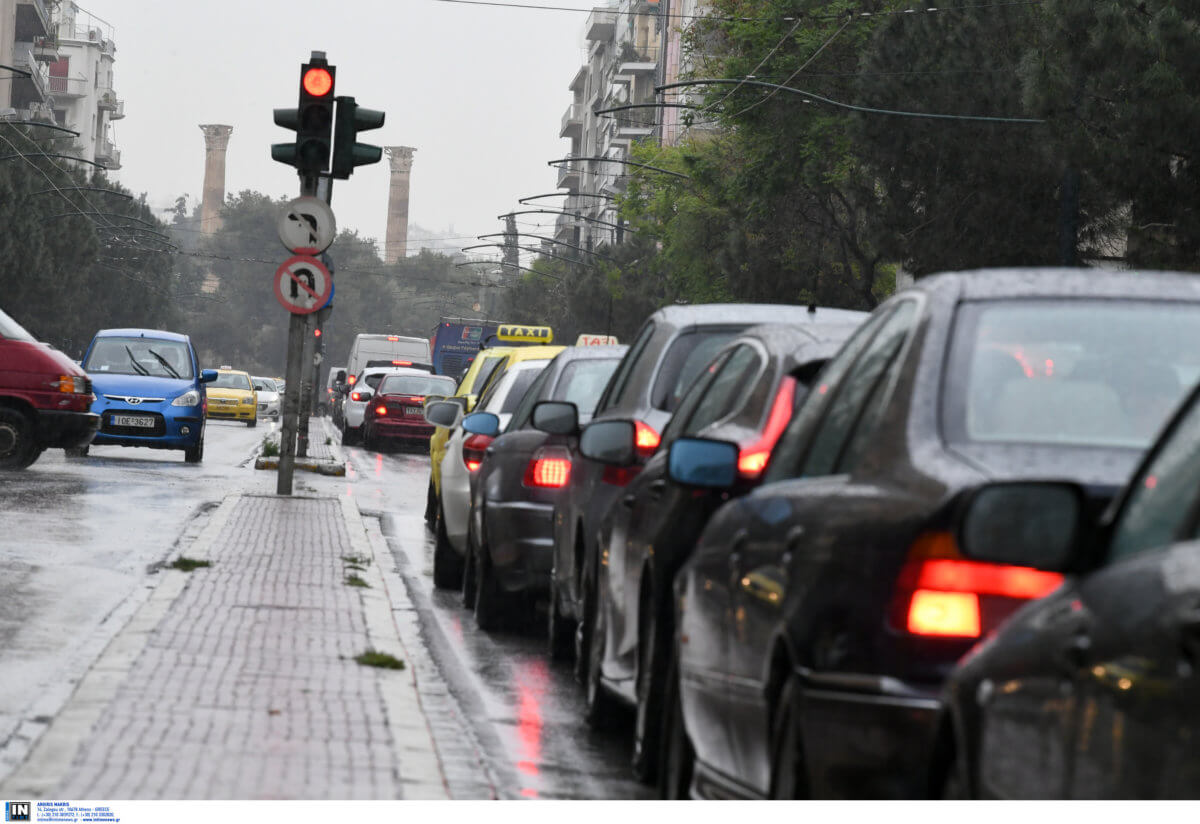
column 396, row 242
column 216, row 141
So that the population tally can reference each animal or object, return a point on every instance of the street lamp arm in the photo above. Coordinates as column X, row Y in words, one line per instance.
column 83, row 189
column 40, row 123
column 551, row 240
column 525, row 200
column 622, row 162
column 569, row 214
column 62, row 156
column 502, row 263
column 21, row 72
column 726, row 81
column 626, row 108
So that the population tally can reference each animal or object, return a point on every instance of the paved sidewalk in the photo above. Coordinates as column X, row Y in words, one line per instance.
column 239, row 680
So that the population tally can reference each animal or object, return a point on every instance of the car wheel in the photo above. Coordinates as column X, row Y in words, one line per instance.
column 468, row 579
column 194, row 454
column 76, row 451
column 651, row 675
column 431, row 504
column 599, row 707
column 253, row 422
column 560, row 630
column 677, row 757
column 788, row 776
column 447, row 564
column 18, row 449
column 349, row 436
column 490, row 600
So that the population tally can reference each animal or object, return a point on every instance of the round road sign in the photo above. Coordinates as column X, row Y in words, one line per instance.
column 307, row 226
column 302, row 285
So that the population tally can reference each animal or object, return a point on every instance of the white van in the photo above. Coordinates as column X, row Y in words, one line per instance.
column 387, row 350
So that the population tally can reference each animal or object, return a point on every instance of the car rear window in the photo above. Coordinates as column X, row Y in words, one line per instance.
column 1078, row 372
column 582, row 381
column 232, row 380
column 145, row 356
column 688, row 354
column 416, row 385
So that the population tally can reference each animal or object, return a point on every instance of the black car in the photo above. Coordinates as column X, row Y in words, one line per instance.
column 746, row 395
column 820, row 615
column 1091, row 692
column 513, row 493
column 668, row 353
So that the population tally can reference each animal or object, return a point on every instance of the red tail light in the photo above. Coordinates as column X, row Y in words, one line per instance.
column 645, row 438
column 381, row 410
column 550, row 468
column 942, row 594
column 473, row 448
column 401, row 363
column 350, row 380
column 355, row 396
column 753, row 458
column 393, row 337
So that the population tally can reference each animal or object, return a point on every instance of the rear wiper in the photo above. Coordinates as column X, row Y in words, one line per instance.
column 166, row 365
column 141, row 370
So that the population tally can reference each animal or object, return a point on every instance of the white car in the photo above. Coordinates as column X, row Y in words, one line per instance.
column 502, row 399
column 354, row 407
column 268, row 396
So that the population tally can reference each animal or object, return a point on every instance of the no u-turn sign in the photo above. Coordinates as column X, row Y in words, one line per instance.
column 303, row 285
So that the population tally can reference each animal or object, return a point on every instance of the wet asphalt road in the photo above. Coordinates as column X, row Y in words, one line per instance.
column 79, row 539
column 522, row 713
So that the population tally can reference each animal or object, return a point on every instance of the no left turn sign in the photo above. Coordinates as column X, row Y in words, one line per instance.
column 307, row 226
column 303, row 285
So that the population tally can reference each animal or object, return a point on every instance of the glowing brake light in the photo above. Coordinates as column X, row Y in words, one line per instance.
column 549, row 468
column 350, row 380
column 645, row 438
column 473, row 450
column 355, row 396
column 401, row 363
column 752, row 459
column 941, row 594
column 381, row 410
column 393, row 337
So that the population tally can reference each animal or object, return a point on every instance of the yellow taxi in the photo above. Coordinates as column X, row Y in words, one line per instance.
column 231, row 397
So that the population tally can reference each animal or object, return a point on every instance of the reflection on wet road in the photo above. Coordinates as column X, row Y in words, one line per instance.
column 525, row 712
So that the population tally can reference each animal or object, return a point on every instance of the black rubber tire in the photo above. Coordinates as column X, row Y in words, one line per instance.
column 253, row 422
column 490, row 600
column 560, row 630
column 431, row 504
column 677, row 758
column 788, row 774
column 18, row 447
column 447, row 564
column 654, row 637
column 350, row 436
column 599, row 706
column 77, row 451
column 194, row 454
column 469, row 573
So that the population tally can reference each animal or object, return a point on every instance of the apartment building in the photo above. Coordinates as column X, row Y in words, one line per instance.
column 622, row 48
column 25, row 28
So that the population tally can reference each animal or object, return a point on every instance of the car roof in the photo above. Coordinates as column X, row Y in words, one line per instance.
column 984, row 284
column 732, row 313
column 234, row 372
column 524, row 353
column 394, row 370
column 142, row 333
column 607, row 352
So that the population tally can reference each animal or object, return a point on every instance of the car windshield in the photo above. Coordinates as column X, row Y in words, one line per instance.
column 1079, row 372
column 265, row 385
column 11, row 330
column 151, row 357
column 416, row 385
column 232, row 380
column 522, row 380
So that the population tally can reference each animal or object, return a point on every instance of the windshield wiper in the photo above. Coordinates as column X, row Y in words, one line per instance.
column 141, row 370
column 166, row 365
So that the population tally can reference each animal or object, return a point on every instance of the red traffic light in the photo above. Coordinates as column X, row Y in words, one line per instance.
column 317, row 81
column 316, row 333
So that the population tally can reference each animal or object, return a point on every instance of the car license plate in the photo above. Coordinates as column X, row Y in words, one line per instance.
column 414, row 411
column 133, row 420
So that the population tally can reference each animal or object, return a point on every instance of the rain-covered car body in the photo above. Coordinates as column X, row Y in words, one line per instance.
column 746, row 395
column 354, row 404
column 827, row 607
column 268, row 396
column 46, row 398
column 231, row 397
column 1091, row 692
column 472, row 382
column 397, row 409
column 150, row 390
column 669, row 351
column 525, row 469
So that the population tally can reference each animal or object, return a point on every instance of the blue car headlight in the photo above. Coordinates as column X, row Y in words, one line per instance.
column 188, row 398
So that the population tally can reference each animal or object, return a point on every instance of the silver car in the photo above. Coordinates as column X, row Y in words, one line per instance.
column 268, row 392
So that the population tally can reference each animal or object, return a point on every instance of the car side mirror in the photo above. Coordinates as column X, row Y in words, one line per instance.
column 556, row 417
column 609, row 442
column 1037, row 524
column 482, row 423
column 703, row 463
column 434, row 399
column 444, row 413
column 208, row 375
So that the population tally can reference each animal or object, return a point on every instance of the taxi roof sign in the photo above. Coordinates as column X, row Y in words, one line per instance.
column 596, row 340
column 524, row 334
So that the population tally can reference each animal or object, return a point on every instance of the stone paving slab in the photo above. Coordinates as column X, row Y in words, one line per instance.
column 238, row 681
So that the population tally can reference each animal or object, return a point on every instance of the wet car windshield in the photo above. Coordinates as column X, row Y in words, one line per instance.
column 416, row 385
column 231, row 380
column 1088, row 373
column 140, row 356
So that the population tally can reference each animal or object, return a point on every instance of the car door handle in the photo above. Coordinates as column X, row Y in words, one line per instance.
column 656, row 488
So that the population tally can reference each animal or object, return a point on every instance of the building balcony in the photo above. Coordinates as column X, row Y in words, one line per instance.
column 580, row 78
column 601, row 25
column 33, row 19
column 67, row 86
column 108, row 101
column 32, row 88
column 572, row 121
column 118, row 111
column 45, row 50
column 108, row 154
column 39, row 112
column 569, row 174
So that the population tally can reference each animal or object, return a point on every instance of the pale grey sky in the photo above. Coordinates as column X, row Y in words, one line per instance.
column 478, row 91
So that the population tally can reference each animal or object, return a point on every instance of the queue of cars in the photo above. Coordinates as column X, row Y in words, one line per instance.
column 824, row 554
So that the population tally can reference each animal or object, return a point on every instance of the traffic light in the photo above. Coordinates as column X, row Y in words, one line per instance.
column 352, row 119
column 312, row 120
column 317, row 332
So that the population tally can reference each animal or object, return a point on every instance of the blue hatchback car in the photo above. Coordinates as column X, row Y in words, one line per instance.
column 149, row 390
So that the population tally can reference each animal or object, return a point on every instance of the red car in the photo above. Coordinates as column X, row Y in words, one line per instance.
column 45, row 398
column 397, row 409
